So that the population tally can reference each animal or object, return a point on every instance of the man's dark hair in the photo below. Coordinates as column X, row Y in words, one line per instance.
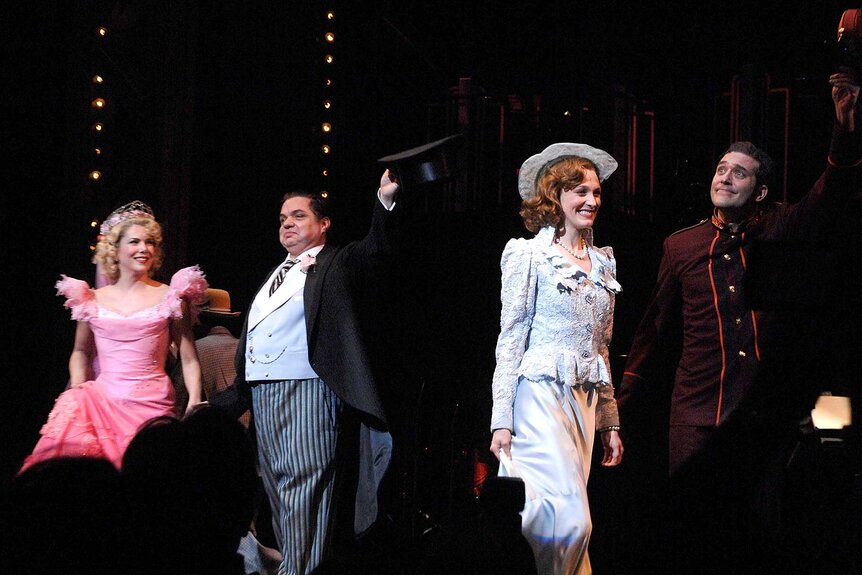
column 319, row 204
column 763, row 175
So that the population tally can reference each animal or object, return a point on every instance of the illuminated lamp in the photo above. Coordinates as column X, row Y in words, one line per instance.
column 831, row 412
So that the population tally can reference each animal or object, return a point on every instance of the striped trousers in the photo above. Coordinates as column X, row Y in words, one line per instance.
column 297, row 425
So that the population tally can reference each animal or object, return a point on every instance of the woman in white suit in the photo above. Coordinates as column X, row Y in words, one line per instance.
column 552, row 386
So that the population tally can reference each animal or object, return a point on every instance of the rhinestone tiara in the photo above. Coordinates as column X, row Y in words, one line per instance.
column 135, row 209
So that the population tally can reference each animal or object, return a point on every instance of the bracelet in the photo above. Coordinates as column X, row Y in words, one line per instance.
column 609, row 428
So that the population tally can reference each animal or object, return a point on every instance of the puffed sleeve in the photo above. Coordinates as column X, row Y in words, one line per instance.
column 79, row 297
column 188, row 284
column 518, row 298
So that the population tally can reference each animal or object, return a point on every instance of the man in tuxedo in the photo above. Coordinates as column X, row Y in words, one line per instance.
column 321, row 430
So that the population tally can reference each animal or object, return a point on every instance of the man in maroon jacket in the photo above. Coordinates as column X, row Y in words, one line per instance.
column 699, row 318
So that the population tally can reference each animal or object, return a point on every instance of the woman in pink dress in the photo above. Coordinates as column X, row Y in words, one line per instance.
column 129, row 324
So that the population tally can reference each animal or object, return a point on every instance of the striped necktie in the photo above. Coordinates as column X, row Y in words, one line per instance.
column 279, row 279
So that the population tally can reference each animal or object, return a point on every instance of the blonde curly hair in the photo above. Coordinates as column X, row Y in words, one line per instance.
column 106, row 249
column 543, row 208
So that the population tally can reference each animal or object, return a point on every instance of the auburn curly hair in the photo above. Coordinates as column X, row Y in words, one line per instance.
column 543, row 208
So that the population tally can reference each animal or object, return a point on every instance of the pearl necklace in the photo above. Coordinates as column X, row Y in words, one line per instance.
column 583, row 246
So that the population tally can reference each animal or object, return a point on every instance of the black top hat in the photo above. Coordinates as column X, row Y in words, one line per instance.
column 431, row 163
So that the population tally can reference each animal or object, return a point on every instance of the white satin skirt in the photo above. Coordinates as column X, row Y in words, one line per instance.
column 552, row 445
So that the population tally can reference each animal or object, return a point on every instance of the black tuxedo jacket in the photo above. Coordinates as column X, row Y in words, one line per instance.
column 335, row 345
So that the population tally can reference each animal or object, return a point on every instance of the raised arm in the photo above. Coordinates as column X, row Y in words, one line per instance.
column 388, row 190
column 845, row 93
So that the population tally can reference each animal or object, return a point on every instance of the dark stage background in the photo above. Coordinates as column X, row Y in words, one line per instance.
column 214, row 111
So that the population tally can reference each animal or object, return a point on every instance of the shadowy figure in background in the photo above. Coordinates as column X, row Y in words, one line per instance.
column 64, row 515
column 191, row 487
column 216, row 347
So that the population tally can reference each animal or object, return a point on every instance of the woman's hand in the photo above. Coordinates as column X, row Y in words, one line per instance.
column 613, row 446
column 192, row 407
column 502, row 439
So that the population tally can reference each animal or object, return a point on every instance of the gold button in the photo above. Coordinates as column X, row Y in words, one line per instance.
column 727, row 257
column 732, row 289
column 738, row 321
column 741, row 354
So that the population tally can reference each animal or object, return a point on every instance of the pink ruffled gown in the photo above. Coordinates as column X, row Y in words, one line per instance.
column 99, row 418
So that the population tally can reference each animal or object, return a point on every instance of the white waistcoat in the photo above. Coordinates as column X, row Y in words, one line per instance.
column 277, row 342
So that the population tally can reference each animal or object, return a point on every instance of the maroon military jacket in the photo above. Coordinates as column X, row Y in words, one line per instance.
column 699, row 318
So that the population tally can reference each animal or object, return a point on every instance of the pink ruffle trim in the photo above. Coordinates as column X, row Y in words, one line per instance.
column 188, row 284
column 79, row 297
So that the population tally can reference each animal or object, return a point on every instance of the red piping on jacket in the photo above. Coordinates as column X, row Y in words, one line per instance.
column 720, row 329
column 753, row 317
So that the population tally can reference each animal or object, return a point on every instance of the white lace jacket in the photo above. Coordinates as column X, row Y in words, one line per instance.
column 555, row 325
